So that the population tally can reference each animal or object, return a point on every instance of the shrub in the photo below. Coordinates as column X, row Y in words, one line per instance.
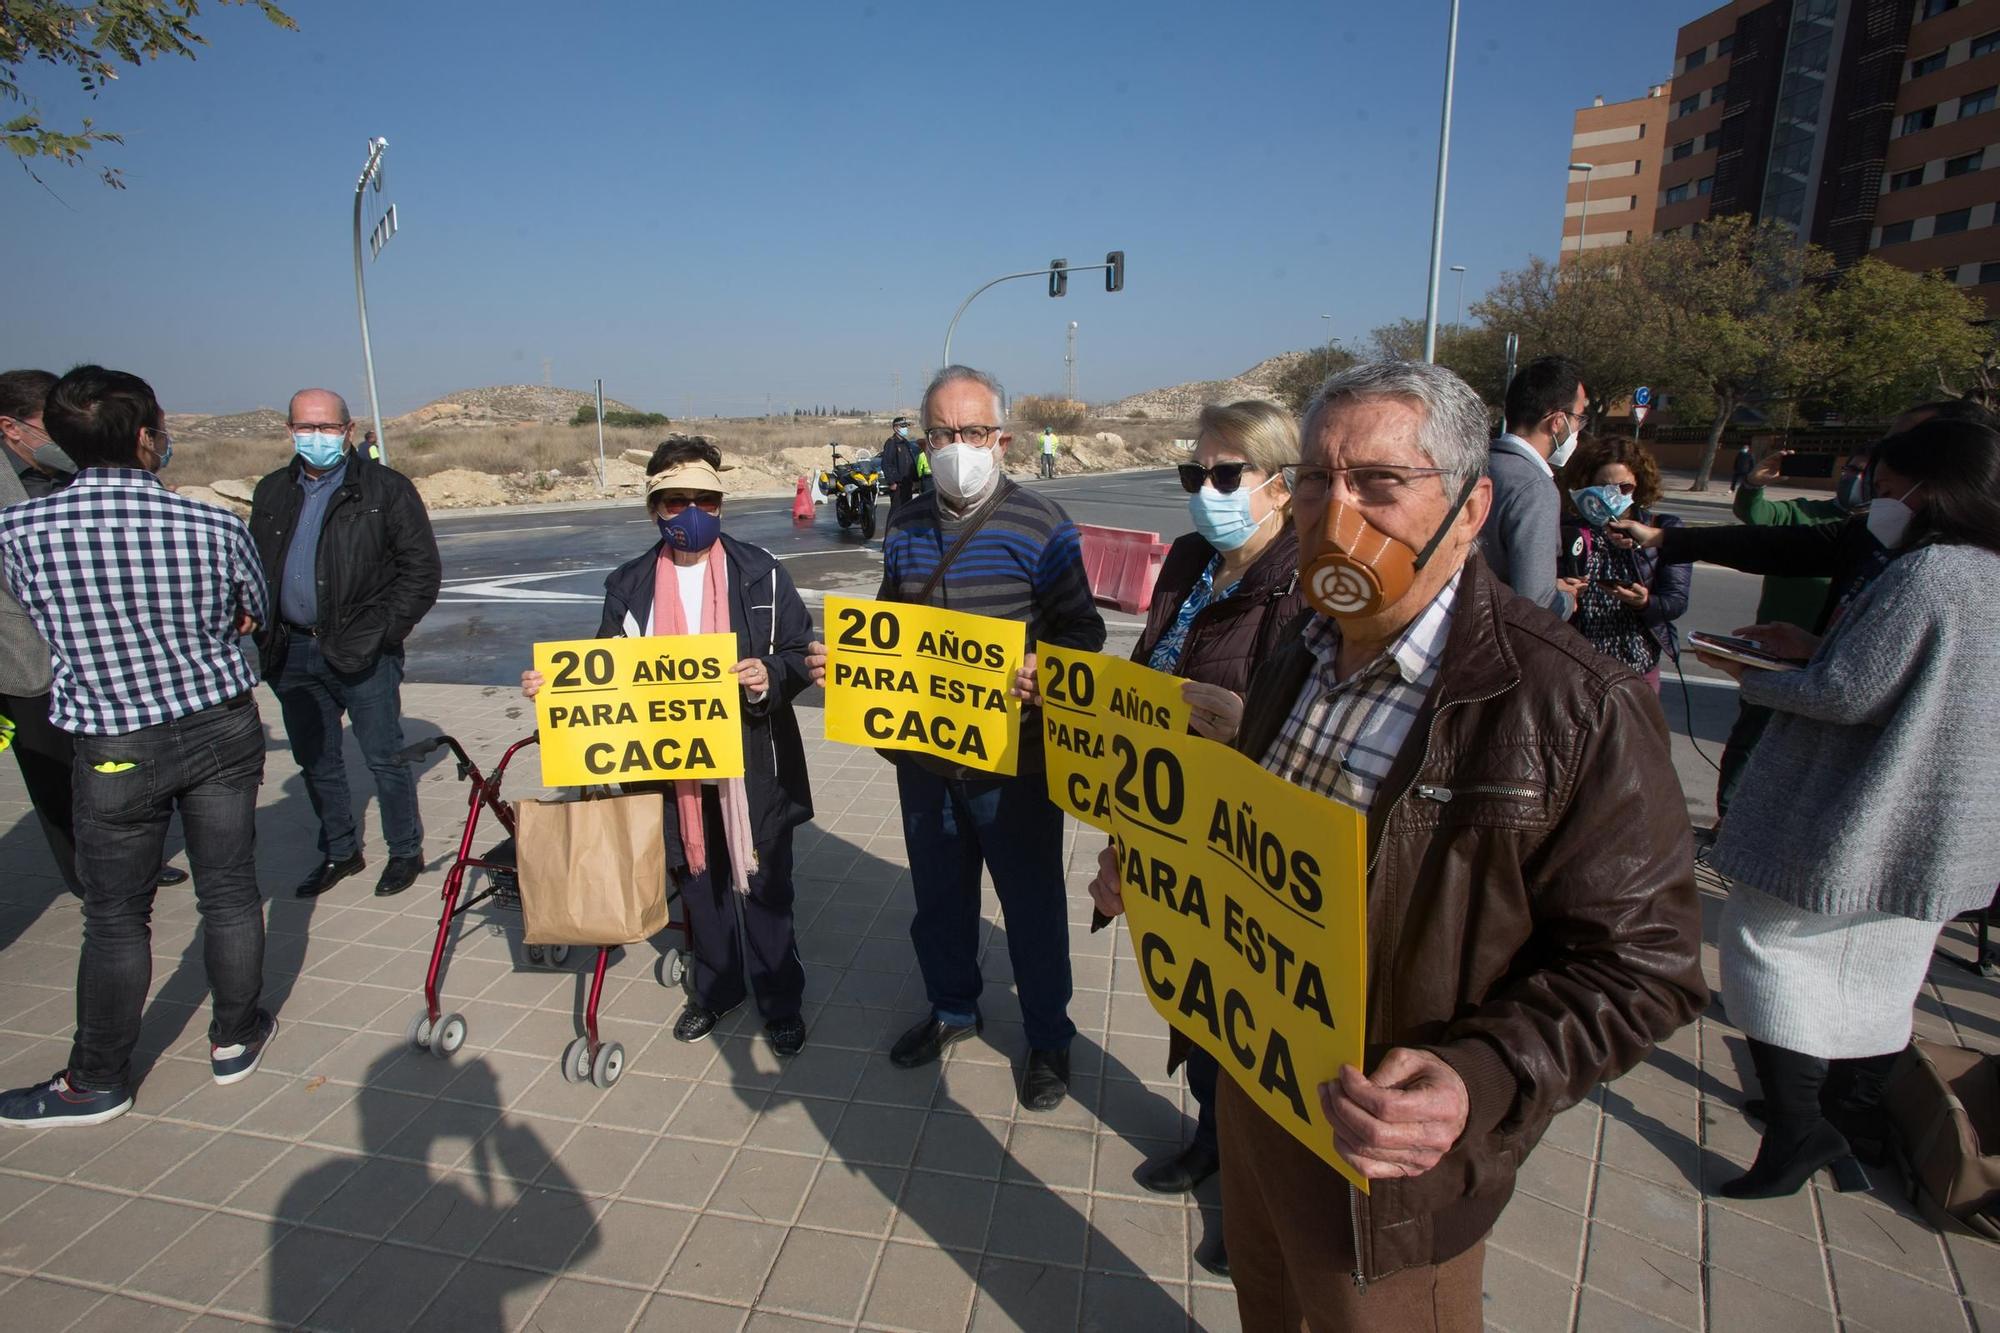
column 1065, row 415
column 586, row 415
column 1298, row 382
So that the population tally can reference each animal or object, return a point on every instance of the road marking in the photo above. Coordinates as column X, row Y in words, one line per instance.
column 502, row 532
column 508, row 589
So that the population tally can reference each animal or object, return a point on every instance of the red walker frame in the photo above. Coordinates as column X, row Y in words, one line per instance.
column 588, row 1058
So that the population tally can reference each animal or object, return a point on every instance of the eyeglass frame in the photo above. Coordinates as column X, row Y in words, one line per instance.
column 1296, row 478
column 937, row 437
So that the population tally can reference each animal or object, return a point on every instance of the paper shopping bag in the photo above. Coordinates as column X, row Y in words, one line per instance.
column 592, row 871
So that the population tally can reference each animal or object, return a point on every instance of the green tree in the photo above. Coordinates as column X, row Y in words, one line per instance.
column 1736, row 306
column 1894, row 338
column 1476, row 352
column 94, row 40
column 1298, row 382
column 1597, row 312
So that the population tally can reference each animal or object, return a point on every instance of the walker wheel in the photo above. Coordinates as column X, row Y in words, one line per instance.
column 576, row 1061
column 419, row 1034
column 672, row 968
column 610, row 1063
column 450, row 1035
column 558, row 955
column 534, row 955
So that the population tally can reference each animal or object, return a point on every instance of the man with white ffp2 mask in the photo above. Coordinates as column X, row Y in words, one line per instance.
column 982, row 544
column 1522, row 541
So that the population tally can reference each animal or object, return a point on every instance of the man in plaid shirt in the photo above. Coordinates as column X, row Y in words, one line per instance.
column 142, row 596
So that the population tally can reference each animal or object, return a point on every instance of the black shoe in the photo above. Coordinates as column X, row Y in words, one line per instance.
column 696, row 1022
column 788, row 1036
column 1213, row 1255
column 1785, row 1162
column 399, row 874
column 926, row 1041
column 1045, row 1080
column 170, row 876
column 1181, row 1172
column 328, row 874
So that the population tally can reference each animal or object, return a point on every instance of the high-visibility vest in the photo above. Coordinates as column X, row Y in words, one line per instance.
column 1048, row 444
column 923, row 463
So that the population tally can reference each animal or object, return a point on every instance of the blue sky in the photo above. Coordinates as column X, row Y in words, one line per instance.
column 709, row 203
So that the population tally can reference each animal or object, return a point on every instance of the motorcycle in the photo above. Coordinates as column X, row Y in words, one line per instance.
column 853, row 485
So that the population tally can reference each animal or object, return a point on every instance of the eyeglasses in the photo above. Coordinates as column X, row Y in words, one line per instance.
column 1853, row 469
column 1372, row 483
column 937, row 437
column 673, row 504
column 318, row 427
column 161, row 439
column 1226, row 476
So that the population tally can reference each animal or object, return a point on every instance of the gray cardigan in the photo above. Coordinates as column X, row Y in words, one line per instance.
column 1876, row 787
column 1522, row 538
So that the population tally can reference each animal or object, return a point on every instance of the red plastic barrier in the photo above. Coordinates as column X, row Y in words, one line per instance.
column 802, row 505
column 1122, row 565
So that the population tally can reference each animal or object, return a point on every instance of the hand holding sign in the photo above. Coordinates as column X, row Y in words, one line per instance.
column 753, row 676
column 1402, row 1119
column 1213, row 711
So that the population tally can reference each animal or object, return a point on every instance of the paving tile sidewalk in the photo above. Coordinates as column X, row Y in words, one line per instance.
column 357, row 1184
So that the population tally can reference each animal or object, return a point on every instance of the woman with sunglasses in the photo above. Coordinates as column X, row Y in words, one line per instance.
column 729, row 843
column 1224, row 597
column 1627, row 598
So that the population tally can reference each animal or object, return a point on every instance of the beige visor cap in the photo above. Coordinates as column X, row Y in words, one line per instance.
column 693, row 475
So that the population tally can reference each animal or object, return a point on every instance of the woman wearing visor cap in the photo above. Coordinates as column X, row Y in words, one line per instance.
column 730, row 841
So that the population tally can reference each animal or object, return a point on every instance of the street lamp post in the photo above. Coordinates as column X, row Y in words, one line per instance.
column 1459, row 318
column 1437, row 214
column 1583, row 218
column 1057, row 273
column 371, row 174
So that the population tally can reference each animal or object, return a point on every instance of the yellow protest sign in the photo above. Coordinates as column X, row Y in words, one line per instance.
column 639, row 710
column 1245, row 896
column 918, row 678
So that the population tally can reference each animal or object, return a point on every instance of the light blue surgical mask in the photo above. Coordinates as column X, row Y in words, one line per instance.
column 1600, row 504
column 319, row 451
column 1224, row 520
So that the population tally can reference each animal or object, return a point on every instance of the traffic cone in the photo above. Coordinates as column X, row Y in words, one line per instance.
column 802, row 505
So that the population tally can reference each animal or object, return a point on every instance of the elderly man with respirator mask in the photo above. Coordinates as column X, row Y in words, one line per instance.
column 1533, row 926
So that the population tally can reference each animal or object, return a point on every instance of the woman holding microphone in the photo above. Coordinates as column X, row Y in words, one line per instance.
column 729, row 842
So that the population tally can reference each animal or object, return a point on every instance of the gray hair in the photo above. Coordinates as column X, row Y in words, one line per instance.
column 1454, row 429
column 345, row 417
column 953, row 375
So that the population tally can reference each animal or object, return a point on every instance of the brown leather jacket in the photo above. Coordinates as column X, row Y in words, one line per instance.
column 1532, row 912
column 1230, row 637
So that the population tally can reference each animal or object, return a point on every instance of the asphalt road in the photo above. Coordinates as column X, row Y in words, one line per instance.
column 515, row 578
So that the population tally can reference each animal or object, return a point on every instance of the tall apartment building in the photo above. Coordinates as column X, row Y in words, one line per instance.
column 1870, row 126
column 1621, row 145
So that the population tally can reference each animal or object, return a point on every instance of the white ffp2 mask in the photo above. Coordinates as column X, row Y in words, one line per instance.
column 963, row 471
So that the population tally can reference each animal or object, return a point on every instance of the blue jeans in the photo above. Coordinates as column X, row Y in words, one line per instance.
column 951, row 827
column 312, row 696
column 209, row 765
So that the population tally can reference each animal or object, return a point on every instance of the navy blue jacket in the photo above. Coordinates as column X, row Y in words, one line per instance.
column 772, row 623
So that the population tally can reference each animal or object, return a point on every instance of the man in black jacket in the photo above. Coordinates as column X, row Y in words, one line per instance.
column 899, row 464
column 348, row 551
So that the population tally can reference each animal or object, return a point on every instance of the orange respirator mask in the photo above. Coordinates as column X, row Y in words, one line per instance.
column 1356, row 569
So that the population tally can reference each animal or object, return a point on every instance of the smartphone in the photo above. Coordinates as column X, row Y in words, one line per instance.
column 1747, row 651
column 1609, row 585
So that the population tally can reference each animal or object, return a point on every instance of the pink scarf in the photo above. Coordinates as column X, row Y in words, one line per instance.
column 670, row 618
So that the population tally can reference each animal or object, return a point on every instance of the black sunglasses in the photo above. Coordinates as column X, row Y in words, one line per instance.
column 1226, row 476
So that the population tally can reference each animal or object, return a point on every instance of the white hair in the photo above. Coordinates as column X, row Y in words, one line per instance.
column 956, row 374
column 1453, row 433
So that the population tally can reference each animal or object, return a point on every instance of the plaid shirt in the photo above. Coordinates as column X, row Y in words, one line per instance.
column 1343, row 735
column 137, row 591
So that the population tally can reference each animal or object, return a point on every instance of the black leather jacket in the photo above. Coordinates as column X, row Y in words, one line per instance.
column 378, row 566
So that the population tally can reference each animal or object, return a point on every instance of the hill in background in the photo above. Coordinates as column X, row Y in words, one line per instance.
column 1183, row 402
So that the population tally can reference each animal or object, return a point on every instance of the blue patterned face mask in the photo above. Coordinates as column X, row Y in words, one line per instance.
column 1600, row 504
column 693, row 529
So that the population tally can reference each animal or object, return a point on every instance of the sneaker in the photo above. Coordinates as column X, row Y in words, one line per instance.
column 233, row 1064
column 60, row 1103
column 788, row 1035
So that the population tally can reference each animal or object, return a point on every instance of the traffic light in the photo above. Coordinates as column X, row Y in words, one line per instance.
column 1114, row 276
column 1058, row 276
